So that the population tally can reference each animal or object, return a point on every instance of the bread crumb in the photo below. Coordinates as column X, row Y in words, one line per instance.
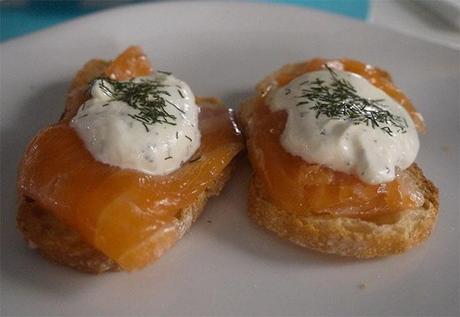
column 362, row 286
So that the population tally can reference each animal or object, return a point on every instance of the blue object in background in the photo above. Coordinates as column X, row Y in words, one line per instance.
column 19, row 17
column 22, row 17
column 357, row 9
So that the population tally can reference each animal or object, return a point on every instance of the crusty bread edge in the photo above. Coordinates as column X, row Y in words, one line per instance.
column 350, row 236
column 61, row 244
column 344, row 236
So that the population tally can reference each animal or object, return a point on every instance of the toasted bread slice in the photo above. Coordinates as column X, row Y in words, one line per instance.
column 59, row 243
column 351, row 236
column 341, row 235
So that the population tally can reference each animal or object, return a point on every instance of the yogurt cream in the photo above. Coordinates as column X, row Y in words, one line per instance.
column 149, row 124
column 339, row 119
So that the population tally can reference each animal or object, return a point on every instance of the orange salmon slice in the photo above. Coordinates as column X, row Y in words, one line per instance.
column 293, row 184
column 129, row 216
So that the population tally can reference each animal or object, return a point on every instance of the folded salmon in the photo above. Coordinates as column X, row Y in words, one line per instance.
column 129, row 216
column 314, row 205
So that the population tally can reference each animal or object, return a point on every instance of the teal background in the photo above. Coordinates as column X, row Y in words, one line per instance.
column 20, row 17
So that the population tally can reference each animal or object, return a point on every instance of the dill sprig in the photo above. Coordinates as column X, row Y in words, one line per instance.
column 147, row 96
column 340, row 101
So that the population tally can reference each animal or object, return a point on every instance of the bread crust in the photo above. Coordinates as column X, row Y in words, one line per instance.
column 344, row 236
column 63, row 245
column 351, row 236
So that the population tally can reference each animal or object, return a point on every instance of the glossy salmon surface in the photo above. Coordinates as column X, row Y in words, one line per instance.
column 128, row 215
column 292, row 184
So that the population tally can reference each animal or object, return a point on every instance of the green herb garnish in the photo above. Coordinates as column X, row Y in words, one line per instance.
column 147, row 96
column 340, row 101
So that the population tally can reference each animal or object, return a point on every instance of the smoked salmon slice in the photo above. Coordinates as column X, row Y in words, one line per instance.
column 127, row 215
column 292, row 184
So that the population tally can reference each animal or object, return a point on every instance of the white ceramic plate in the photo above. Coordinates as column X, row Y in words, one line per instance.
column 231, row 266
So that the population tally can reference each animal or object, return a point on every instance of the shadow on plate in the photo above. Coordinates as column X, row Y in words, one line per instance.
column 233, row 100
column 426, row 15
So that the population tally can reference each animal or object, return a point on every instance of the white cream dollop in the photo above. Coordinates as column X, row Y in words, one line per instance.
column 370, row 153
column 113, row 136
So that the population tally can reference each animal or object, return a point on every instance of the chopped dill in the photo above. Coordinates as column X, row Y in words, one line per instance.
column 189, row 138
column 168, row 158
column 340, row 101
column 147, row 96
